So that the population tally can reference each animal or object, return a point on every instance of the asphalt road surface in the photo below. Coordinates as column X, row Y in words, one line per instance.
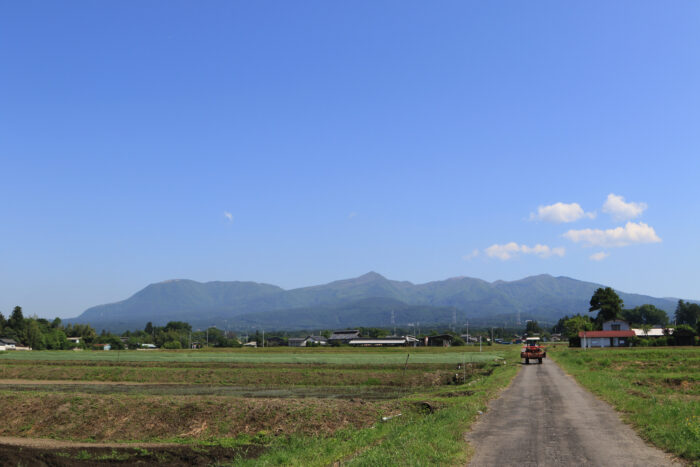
column 546, row 419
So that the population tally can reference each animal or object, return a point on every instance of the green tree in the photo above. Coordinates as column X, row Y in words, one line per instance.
column 607, row 303
column 687, row 313
column 532, row 328
column 684, row 334
column 177, row 326
column 575, row 324
column 16, row 321
column 34, row 338
column 149, row 328
column 645, row 314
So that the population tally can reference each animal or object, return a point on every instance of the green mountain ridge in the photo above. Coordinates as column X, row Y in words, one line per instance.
column 367, row 300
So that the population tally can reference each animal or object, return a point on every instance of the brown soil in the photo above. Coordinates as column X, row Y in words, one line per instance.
column 97, row 456
column 107, row 418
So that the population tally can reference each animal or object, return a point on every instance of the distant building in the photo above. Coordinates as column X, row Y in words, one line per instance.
column 316, row 340
column 275, row 341
column 654, row 332
column 9, row 344
column 442, row 340
column 344, row 336
column 73, row 340
column 615, row 333
column 467, row 338
column 296, row 342
column 391, row 341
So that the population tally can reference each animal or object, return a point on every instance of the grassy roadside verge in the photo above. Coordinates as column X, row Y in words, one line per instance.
column 657, row 391
column 414, row 438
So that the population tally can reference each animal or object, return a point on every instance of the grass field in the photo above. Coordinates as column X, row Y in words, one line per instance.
column 269, row 406
column 340, row 355
column 657, row 390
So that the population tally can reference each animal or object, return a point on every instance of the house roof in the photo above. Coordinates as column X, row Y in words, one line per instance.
column 318, row 338
column 296, row 339
column 592, row 334
column 345, row 334
column 396, row 340
column 7, row 340
column 441, row 337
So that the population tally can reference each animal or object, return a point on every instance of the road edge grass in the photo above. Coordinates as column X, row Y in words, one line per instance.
column 660, row 421
column 416, row 437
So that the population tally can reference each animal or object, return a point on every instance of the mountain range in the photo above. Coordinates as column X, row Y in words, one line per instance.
column 367, row 300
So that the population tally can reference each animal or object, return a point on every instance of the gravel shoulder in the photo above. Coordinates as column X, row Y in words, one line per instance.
column 545, row 418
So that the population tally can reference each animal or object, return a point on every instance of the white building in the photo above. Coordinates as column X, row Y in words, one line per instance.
column 615, row 333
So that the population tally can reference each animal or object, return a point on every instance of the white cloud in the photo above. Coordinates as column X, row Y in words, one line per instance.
column 619, row 210
column 632, row 233
column 352, row 214
column 228, row 216
column 471, row 255
column 512, row 249
column 600, row 256
column 560, row 212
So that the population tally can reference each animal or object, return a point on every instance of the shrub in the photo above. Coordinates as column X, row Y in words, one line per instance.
column 172, row 345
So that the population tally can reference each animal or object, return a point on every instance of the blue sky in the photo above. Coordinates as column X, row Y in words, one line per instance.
column 297, row 143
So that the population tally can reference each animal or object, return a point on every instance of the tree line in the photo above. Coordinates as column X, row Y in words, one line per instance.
column 610, row 307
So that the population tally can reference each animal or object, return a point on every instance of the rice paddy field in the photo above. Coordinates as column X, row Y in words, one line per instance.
column 249, row 406
column 657, row 390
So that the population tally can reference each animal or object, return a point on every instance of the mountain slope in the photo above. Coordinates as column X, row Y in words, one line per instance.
column 366, row 300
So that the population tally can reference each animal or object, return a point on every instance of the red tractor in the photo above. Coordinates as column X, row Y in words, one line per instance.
column 533, row 350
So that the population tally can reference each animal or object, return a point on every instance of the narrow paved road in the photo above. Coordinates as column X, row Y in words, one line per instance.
column 546, row 419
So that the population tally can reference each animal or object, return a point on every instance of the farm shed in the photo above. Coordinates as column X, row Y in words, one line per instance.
column 275, row 341
column 654, row 332
column 605, row 338
column 380, row 342
column 442, row 340
column 9, row 344
column 296, row 342
column 344, row 337
column 316, row 340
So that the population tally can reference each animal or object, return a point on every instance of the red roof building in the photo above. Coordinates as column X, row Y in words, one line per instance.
column 605, row 338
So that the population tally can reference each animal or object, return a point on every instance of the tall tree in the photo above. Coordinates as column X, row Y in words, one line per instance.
column 687, row 313
column 607, row 303
column 577, row 323
column 645, row 314
column 532, row 328
column 16, row 321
